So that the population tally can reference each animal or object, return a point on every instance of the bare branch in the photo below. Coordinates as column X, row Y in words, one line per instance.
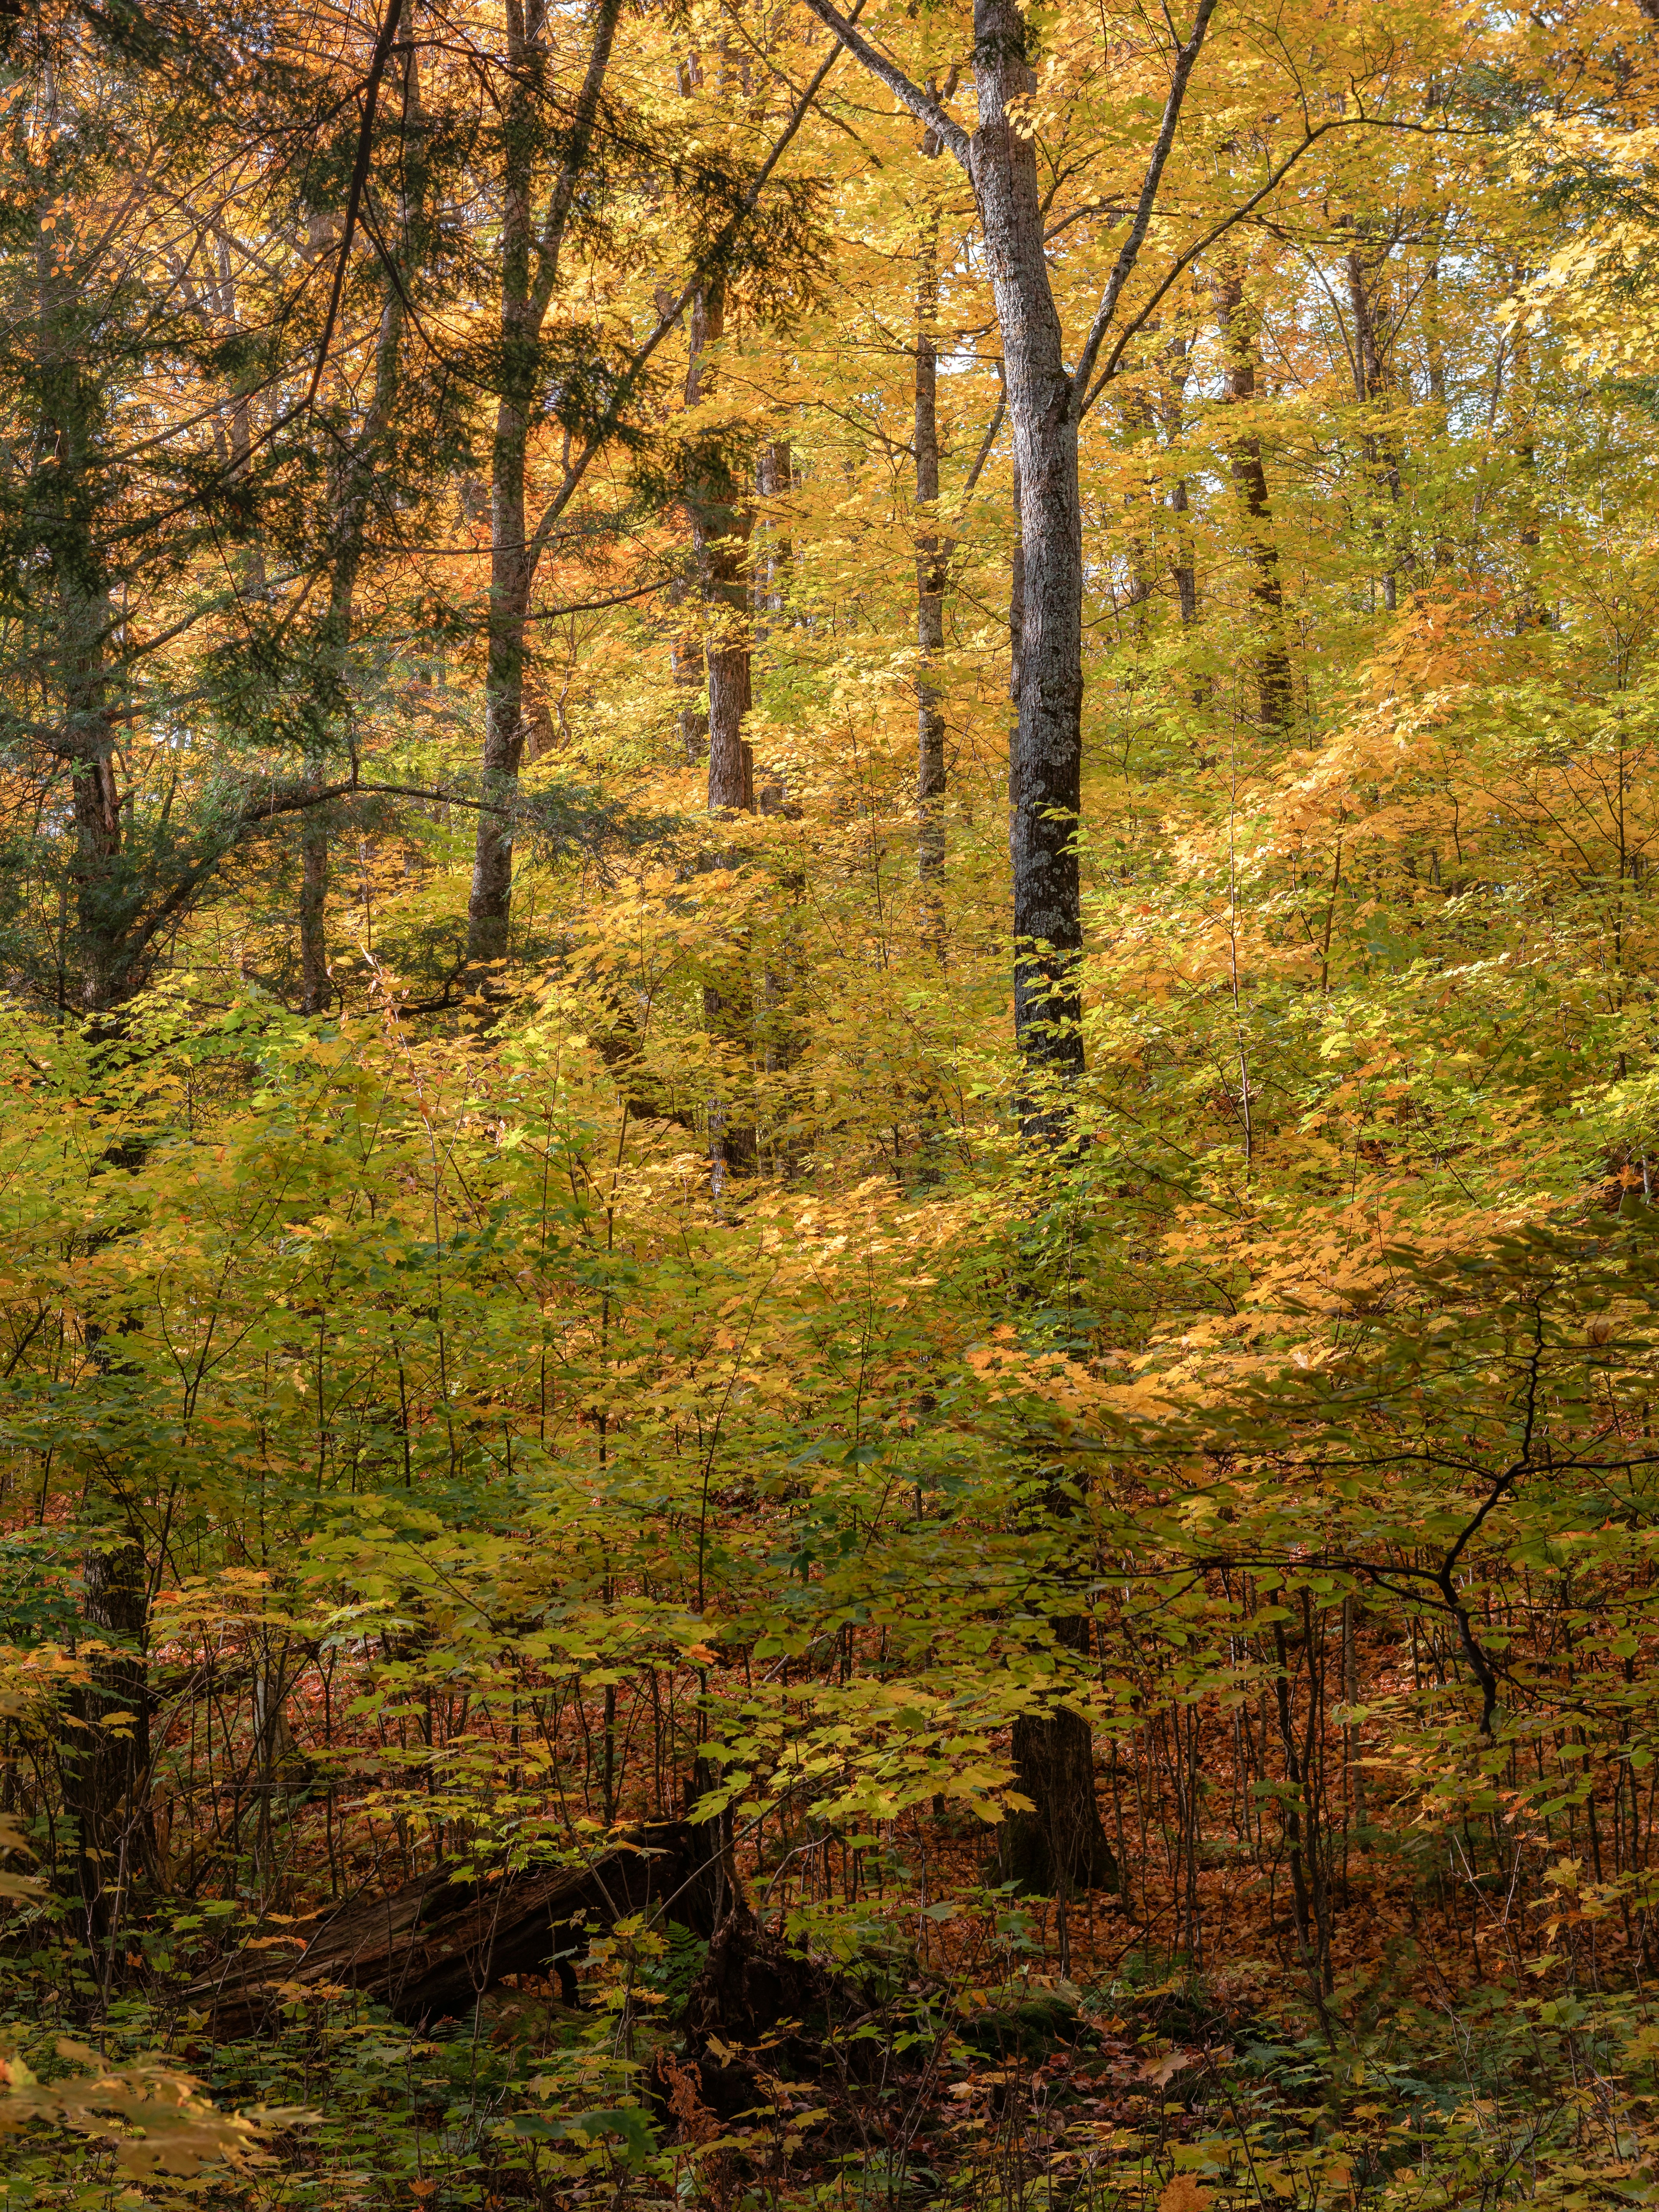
column 359, row 179
column 1123, row 268
column 711, row 258
column 922, row 104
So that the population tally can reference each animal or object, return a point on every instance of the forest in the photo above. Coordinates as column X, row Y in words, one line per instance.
column 830, row 1023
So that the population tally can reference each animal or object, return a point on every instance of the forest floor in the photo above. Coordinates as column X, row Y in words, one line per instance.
column 976, row 2051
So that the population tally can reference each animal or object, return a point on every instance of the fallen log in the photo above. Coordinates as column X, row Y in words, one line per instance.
column 430, row 1950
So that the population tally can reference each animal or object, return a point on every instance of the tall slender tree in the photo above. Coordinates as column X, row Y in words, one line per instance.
column 1047, row 402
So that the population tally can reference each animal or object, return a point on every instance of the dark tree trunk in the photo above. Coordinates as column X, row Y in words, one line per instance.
column 510, row 589
column 1371, row 381
column 1172, row 412
column 722, row 523
column 773, row 478
column 1274, row 694
column 432, row 1948
column 1183, row 568
column 80, row 673
column 1060, row 1847
column 352, row 491
column 1016, row 636
column 781, row 1010
column 105, row 1760
column 314, row 984
column 529, row 263
column 930, row 591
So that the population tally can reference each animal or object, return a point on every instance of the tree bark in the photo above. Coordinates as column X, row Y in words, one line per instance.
column 1373, row 379
column 352, row 492
column 530, row 264
column 78, row 665
column 930, row 590
column 1044, row 409
column 1060, row 1846
column 105, row 1760
column 1274, row 694
column 1016, row 637
column 489, row 906
column 1046, row 403
column 722, row 522
column 1172, row 413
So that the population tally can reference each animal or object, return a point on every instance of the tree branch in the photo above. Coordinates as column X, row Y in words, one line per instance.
column 1239, row 214
column 710, row 259
column 1123, row 267
column 925, row 108
column 581, row 138
column 359, row 179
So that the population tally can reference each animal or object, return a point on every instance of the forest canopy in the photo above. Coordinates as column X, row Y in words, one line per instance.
column 828, row 962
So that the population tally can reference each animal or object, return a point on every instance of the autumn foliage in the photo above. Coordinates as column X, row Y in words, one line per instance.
column 1040, row 1530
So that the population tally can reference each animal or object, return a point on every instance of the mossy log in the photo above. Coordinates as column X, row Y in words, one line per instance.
column 430, row 1950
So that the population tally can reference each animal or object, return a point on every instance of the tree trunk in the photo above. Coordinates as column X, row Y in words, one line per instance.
column 773, row 479
column 489, row 906
column 722, row 522
column 1016, row 635
column 781, row 1009
column 1044, row 412
column 1529, row 611
column 1172, row 414
column 105, row 1760
column 1060, row 1847
column 315, row 988
column 530, row 264
column 78, row 666
column 1371, row 380
column 930, row 594
column 1045, row 404
column 1274, row 694
column 351, row 495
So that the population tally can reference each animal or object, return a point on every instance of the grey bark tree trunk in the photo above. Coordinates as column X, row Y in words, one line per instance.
column 1044, row 409
column 1046, row 403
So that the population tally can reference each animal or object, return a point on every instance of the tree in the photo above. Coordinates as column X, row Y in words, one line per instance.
column 1046, row 405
